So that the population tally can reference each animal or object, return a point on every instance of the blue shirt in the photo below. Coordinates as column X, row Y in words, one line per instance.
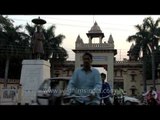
column 84, row 83
column 106, row 90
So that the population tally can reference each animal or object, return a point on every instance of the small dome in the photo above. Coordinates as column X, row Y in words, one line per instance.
column 110, row 40
column 95, row 29
column 79, row 40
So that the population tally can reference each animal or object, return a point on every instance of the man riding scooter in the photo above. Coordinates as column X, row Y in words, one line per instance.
column 118, row 96
column 151, row 96
column 105, row 91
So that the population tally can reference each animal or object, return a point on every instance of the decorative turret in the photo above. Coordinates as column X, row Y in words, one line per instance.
column 130, row 50
column 110, row 40
column 95, row 31
column 79, row 40
column 132, row 46
column 131, row 54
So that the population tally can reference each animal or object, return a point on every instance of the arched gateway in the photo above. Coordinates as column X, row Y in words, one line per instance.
column 103, row 52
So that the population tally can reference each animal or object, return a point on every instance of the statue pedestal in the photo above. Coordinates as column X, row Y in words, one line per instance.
column 33, row 74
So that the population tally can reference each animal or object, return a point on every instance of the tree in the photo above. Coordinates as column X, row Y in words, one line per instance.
column 52, row 50
column 141, row 41
column 13, row 43
column 150, row 35
column 154, row 35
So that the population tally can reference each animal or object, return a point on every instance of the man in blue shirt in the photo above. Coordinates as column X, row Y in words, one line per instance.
column 85, row 81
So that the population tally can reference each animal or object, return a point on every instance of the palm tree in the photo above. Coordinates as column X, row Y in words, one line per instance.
column 52, row 50
column 154, row 31
column 57, row 55
column 13, row 43
column 141, row 41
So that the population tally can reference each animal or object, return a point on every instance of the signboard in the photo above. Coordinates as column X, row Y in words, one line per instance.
column 9, row 93
column 99, row 58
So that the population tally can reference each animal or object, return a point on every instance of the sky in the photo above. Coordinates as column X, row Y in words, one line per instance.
column 119, row 26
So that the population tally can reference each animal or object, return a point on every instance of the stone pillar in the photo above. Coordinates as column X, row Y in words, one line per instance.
column 100, row 40
column 90, row 40
column 33, row 74
column 110, row 72
column 78, row 60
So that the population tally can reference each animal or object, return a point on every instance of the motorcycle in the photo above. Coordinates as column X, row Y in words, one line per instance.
column 72, row 100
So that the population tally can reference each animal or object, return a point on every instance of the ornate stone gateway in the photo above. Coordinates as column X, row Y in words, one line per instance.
column 103, row 52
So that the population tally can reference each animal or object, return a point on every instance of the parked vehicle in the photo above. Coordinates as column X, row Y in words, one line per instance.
column 44, row 92
column 127, row 100
column 71, row 100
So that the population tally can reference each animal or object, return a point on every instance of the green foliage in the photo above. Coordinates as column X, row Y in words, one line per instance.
column 15, row 45
column 51, row 43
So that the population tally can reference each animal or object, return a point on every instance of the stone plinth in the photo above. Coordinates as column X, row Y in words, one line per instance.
column 33, row 74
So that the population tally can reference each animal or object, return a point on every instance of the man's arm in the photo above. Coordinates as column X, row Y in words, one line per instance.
column 109, row 88
column 122, row 92
column 144, row 94
column 98, row 84
column 72, row 83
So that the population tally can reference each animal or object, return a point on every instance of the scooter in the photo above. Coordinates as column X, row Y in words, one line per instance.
column 109, row 100
column 72, row 100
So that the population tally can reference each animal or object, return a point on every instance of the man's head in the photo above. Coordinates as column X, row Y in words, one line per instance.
column 87, row 59
column 103, row 76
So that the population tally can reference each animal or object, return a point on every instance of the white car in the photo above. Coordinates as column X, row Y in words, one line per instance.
column 44, row 90
column 131, row 100
column 128, row 100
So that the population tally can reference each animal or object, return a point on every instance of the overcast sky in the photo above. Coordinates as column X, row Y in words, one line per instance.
column 120, row 26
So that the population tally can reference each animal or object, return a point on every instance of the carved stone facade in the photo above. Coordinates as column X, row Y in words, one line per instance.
column 103, row 51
